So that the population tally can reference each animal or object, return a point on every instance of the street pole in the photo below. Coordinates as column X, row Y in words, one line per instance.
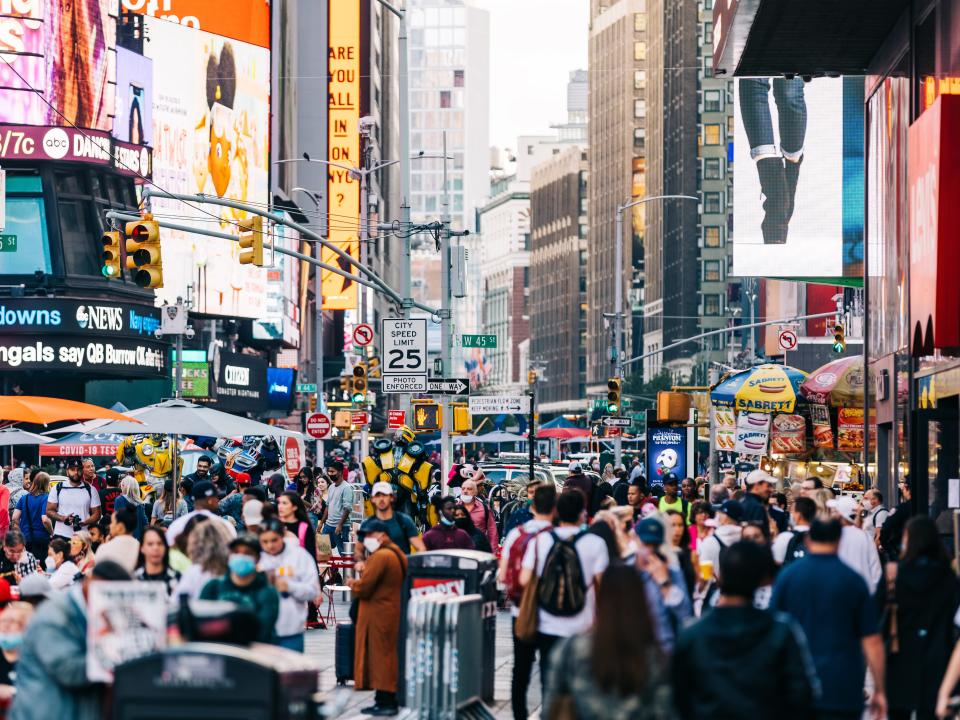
column 362, row 291
column 532, row 432
column 446, row 334
column 713, row 467
column 178, row 381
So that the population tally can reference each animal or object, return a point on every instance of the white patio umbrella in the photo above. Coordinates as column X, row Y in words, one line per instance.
column 16, row 436
column 179, row 417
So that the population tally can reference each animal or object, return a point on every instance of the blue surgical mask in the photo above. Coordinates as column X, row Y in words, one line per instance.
column 447, row 522
column 11, row 641
column 242, row 565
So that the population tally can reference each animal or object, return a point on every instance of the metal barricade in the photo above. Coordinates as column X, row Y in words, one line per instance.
column 444, row 646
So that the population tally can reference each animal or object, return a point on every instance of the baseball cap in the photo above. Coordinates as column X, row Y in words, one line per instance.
column 371, row 525
column 759, row 476
column 845, row 506
column 670, row 479
column 73, row 463
column 733, row 510
column 381, row 488
column 113, row 475
column 650, row 530
column 203, row 489
column 36, row 585
column 252, row 513
column 575, row 467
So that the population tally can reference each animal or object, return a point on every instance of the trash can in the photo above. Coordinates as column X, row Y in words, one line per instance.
column 455, row 572
column 210, row 680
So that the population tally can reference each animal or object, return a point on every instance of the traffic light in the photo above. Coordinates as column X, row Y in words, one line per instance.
column 251, row 241
column 839, row 343
column 614, row 386
column 461, row 417
column 374, row 365
column 313, row 403
column 143, row 252
column 531, row 377
column 358, row 389
column 111, row 254
column 344, row 385
column 426, row 416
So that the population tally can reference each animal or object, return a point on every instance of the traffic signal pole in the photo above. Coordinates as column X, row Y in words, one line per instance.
column 446, row 331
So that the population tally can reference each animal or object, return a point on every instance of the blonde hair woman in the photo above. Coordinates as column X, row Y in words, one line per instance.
column 81, row 552
column 208, row 558
column 130, row 497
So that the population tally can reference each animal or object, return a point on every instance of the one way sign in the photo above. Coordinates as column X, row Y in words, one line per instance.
column 448, row 386
column 612, row 421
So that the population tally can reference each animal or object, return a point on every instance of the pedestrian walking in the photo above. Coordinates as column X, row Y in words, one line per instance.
column 155, row 560
column 726, row 533
column 738, row 661
column 376, row 664
column 445, row 535
column 110, row 490
column 463, row 520
column 511, row 561
column 832, row 604
column 73, row 504
column 567, row 564
column 617, row 670
column 666, row 587
column 205, row 502
column 401, row 528
column 756, row 502
column 293, row 573
column 63, row 573
column 891, row 533
column 698, row 529
column 247, row 588
column 680, row 542
column 791, row 545
column 30, row 515
column 17, row 561
column 480, row 513
column 874, row 514
column 293, row 514
column 857, row 549
column 207, row 551
column 672, row 499
column 922, row 595
column 339, row 506
column 130, row 497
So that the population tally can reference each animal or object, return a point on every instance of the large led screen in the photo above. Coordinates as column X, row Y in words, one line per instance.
column 798, row 177
column 211, row 126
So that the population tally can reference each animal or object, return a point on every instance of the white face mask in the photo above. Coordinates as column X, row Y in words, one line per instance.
column 466, row 497
column 51, row 564
column 371, row 544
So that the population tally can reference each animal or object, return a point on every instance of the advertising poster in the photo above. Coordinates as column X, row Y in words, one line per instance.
column 279, row 320
column 247, row 20
column 669, row 450
column 62, row 62
column 134, row 120
column 125, row 620
column 789, row 434
column 753, row 433
column 822, row 431
column 798, row 187
column 725, row 425
column 211, row 127
column 850, row 429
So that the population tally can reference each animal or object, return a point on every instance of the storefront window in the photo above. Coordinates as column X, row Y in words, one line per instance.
column 24, row 246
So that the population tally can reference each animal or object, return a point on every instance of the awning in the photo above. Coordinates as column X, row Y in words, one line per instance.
column 763, row 38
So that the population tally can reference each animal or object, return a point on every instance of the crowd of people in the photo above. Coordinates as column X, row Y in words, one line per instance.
column 667, row 600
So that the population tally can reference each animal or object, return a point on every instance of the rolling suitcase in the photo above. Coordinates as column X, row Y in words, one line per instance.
column 343, row 652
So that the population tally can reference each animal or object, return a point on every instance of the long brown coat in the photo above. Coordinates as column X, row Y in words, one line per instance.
column 376, row 665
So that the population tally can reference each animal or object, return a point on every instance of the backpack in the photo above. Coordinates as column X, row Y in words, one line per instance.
column 514, row 562
column 796, row 548
column 723, row 549
column 562, row 590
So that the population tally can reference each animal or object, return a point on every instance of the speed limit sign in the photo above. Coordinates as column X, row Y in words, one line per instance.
column 788, row 340
column 403, row 355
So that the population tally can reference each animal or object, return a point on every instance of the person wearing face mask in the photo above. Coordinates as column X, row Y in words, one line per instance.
column 378, row 590
column 339, row 506
column 247, row 588
column 463, row 521
column 445, row 535
column 13, row 621
column 52, row 667
column 874, row 514
column 63, row 572
column 479, row 511
column 293, row 573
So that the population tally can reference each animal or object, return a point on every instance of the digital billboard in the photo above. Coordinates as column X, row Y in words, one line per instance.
column 211, row 125
column 60, row 64
column 798, row 180
column 246, row 20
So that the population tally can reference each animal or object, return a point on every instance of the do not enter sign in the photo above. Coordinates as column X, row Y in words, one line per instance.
column 318, row 426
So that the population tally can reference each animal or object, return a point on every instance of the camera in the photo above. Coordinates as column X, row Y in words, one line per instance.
column 75, row 522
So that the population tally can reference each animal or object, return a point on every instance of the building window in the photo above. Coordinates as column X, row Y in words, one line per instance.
column 639, row 50
column 711, row 304
column 639, row 138
column 711, row 236
column 640, row 79
column 26, row 219
column 640, row 22
column 712, row 169
column 712, row 101
column 458, row 78
column 639, row 108
column 711, row 271
column 711, row 202
column 708, row 34
column 445, row 97
column 711, row 135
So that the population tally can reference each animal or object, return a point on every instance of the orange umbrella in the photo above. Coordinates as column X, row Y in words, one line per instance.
column 44, row 410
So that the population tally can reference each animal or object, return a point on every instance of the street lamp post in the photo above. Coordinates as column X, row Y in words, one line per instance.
column 618, row 295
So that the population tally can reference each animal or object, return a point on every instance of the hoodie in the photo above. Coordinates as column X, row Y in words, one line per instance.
column 747, row 663
column 294, row 565
column 710, row 548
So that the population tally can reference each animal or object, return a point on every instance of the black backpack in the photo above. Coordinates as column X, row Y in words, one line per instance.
column 561, row 590
column 796, row 548
column 723, row 549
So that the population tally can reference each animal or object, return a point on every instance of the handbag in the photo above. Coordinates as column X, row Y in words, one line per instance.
column 527, row 614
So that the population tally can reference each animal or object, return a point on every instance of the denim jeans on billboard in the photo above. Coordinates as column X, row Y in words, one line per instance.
column 758, row 122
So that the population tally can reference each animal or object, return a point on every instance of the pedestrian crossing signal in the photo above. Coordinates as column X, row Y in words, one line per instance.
column 839, row 342
column 614, row 387
column 426, row 417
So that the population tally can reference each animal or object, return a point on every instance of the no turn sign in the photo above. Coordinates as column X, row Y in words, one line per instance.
column 363, row 334
column 318, row 426
column 788, row 340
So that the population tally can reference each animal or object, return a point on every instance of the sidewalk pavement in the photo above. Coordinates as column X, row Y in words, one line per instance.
column 320, row 647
